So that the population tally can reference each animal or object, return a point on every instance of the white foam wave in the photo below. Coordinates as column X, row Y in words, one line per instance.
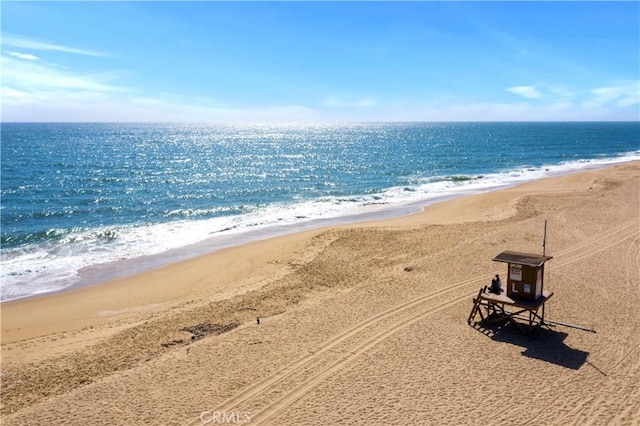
column 32, row 270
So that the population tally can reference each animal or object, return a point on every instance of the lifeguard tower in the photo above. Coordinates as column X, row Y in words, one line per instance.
column 523, row 302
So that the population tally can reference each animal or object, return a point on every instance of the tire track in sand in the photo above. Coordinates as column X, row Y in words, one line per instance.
column 272, row 410
column 258, row 389
column 407, row 317
column 301, row 390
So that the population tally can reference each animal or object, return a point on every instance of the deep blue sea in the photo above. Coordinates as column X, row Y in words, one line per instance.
column 82, row 203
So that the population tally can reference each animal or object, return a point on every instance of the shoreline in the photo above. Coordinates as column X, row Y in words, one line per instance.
column 156, row 291
column 367, row 313
column 100, row 274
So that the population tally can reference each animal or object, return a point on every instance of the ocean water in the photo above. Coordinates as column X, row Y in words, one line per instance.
column 82, row 203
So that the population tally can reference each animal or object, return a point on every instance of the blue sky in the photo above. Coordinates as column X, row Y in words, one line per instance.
column 320, row 61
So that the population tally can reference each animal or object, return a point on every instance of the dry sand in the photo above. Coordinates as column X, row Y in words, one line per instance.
column 359, row 324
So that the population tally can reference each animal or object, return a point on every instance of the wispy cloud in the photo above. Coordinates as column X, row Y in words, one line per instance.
column 623, row 95
column 529, row 92
column 616, row 95
column 27, row 80
column 560, row 92
column 20, row 42
column 25, row 56
column 35, row 77
column 35, row 90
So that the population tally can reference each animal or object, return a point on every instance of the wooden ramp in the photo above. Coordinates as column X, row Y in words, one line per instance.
column 500, row 309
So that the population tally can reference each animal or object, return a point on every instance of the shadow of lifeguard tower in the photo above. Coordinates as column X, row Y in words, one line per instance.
column 522, row 305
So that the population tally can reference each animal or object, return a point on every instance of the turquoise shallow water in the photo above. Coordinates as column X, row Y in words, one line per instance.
column 78, row 196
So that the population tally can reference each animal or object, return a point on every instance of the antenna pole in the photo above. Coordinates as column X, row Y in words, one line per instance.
column 544, row 240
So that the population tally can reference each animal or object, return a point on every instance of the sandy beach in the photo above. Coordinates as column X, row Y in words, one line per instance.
column 355, row 324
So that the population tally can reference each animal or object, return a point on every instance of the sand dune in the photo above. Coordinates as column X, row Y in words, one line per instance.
column 360, row 324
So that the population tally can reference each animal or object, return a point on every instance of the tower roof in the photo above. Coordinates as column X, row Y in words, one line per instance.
column 528, row 259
